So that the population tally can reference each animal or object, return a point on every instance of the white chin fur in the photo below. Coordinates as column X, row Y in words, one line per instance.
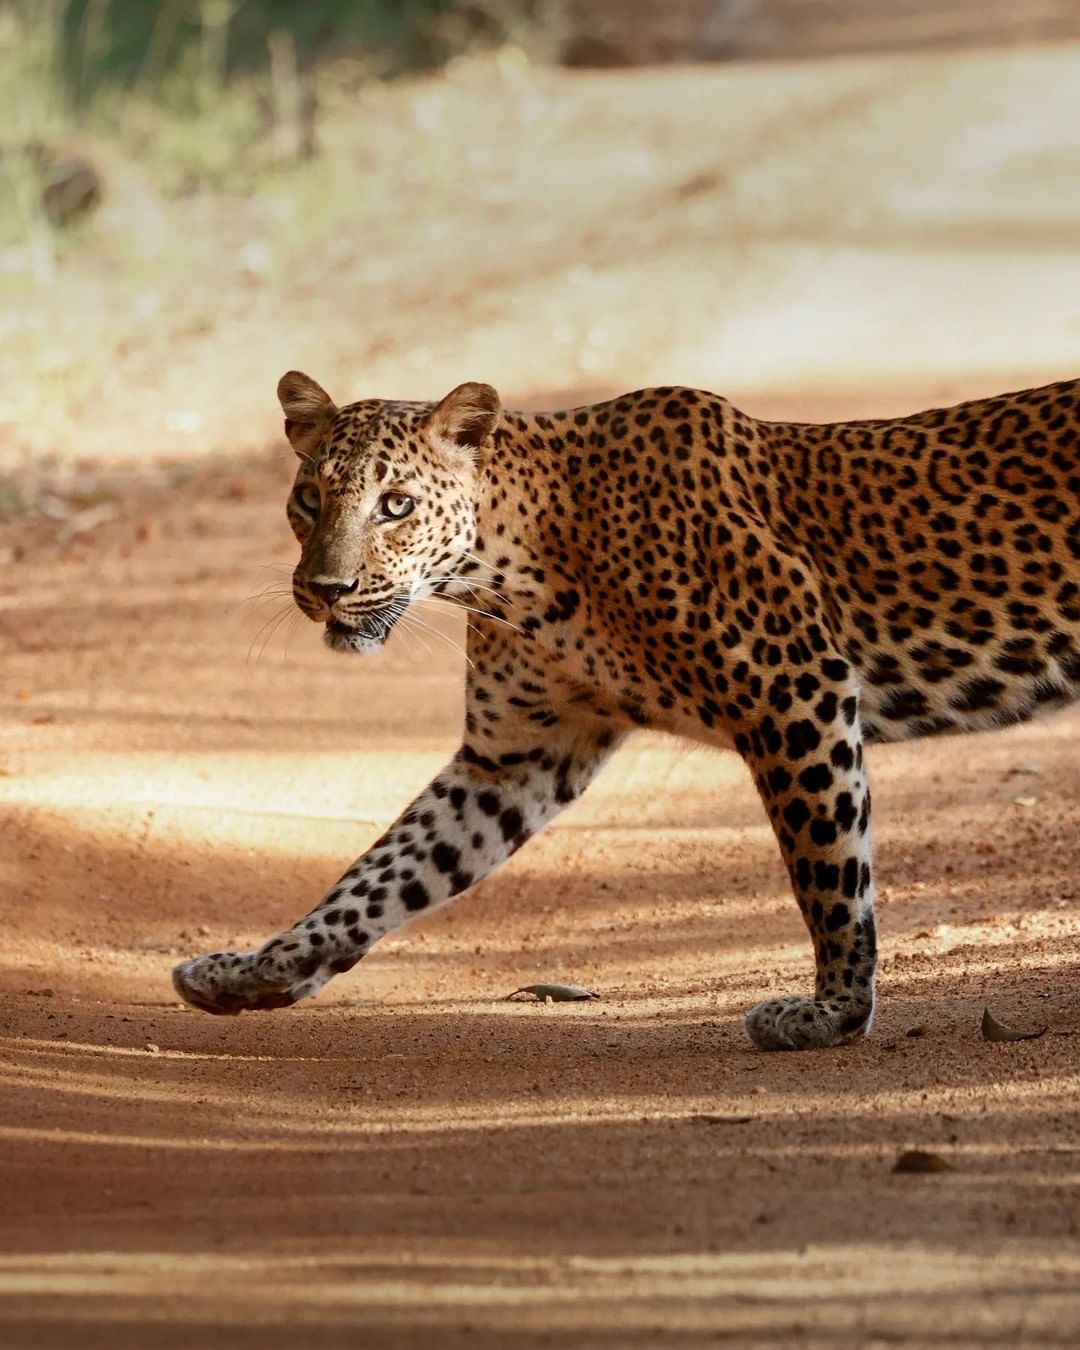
column 352, row 642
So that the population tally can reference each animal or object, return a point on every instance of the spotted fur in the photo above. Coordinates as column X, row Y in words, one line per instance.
column 663, row 560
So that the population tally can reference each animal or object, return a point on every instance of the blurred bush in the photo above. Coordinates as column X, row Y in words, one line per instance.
column 130, row 43
column 207, row 93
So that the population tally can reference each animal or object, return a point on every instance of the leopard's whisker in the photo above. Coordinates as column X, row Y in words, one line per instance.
column 480, row 562
column 407, row 640
column 419, row 637
column 281, row 623
column 413, row 617
column 291, row 631
column 269, row 628
column 263, row 597
column 261, row 629
column 455, row 603
column 472, row 585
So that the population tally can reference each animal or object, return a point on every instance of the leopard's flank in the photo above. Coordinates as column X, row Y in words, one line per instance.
column 792, row 592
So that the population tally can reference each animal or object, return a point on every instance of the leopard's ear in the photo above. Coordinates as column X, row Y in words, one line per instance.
column 466, row 419
column 308, row 409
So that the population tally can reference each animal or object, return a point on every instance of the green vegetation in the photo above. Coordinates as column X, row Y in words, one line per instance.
column 208, row 94
column 131, row 43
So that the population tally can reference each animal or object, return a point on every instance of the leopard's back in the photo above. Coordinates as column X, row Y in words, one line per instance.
column 947, row 546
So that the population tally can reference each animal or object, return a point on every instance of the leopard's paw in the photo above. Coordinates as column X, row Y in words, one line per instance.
column 232, row 982
column 806, row 1023
column 282, row 972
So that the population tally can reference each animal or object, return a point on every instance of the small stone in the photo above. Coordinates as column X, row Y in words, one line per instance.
column 918, row 1160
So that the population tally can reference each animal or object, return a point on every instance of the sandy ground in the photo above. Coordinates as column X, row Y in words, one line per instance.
column 411, row 1160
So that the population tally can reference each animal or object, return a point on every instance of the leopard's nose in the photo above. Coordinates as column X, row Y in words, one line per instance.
column 330, row 592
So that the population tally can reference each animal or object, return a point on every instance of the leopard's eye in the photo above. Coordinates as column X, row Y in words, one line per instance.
column 308, row 499
column 395, row 505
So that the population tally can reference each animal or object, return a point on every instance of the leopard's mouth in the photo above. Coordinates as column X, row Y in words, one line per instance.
column 365, row 634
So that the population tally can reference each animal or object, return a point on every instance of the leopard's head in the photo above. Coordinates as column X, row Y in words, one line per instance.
column 384, row 502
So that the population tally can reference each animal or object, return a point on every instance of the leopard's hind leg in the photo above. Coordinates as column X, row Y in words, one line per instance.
column 808, row 766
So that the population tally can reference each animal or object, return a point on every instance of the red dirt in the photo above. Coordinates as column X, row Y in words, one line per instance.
column 411, row 1160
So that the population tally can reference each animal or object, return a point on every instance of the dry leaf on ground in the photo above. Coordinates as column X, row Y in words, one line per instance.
column 558, row 993
column 993, row 1030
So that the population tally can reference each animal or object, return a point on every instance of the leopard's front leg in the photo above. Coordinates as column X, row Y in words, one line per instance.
column 808, row 765
column 477, row 811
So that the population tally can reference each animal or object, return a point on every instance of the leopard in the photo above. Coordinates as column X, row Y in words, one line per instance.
column 791, row 592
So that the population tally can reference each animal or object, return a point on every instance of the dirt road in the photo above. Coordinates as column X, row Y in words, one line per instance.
column 411, row 1160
